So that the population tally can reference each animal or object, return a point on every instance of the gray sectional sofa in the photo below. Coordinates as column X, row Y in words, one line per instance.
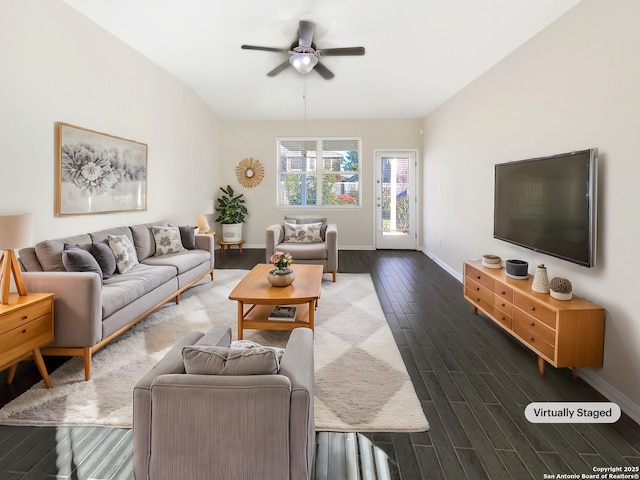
column 90, row 310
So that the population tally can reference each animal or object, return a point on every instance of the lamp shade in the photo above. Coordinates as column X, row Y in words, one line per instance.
column 303, row 62
column 203, row 224
column 16, row 230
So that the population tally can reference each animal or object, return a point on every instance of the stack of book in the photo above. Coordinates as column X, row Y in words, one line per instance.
column 283, row 313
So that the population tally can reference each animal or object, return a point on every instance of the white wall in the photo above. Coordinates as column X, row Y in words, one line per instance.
column 258, row 140
column 57, row 66
column 573, row 86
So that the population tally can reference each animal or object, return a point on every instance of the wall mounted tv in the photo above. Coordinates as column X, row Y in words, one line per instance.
column 548, row 205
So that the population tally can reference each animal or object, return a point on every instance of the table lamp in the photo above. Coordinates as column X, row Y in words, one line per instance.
column 16, row 230
column 203, row 223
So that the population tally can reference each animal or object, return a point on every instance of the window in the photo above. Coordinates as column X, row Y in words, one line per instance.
column 334, row 180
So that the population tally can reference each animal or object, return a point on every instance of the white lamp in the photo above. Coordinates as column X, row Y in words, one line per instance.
column 16, row 230
column 303, row 62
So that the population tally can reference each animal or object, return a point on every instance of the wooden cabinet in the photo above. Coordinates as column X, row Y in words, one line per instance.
column 26, row 323
column 563, row 333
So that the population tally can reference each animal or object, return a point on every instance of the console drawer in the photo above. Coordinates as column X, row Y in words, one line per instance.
column 535, row 309
column 479, row 277
column 503, row 305
column 481, row 296
column 25, row 338
column 534, row 341
column 535, row 326
column 503, row 291
column 23, row 315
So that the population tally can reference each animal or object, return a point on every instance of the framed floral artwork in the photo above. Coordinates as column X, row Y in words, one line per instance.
column 98, row 173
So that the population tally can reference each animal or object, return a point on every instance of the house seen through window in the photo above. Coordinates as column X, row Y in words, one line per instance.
column 319, row 172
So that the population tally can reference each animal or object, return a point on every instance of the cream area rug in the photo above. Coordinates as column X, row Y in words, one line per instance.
column 361, row 381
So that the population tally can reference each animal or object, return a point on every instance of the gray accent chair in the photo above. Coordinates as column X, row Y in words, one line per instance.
column 324, row 253
column 226, row 427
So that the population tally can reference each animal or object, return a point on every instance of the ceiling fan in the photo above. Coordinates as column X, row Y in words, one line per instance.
column 303, row 53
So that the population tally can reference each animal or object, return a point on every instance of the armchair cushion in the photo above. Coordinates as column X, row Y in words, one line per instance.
column 302, row 232
column 209, row 360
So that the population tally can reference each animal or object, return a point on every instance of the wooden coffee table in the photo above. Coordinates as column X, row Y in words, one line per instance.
column 256, row 298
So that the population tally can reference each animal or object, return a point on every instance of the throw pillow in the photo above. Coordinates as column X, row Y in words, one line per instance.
column 188, row 237
column 206, row 360
column 104, row 256
column 77, row 259
column 123, row 251
column 302, row 232
column 167, row 240
column 249, row 344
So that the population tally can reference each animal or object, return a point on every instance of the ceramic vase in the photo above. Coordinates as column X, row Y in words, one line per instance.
column 281, row 277
column 540, row 280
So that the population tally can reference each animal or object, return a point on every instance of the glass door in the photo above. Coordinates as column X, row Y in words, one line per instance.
column 396, row 200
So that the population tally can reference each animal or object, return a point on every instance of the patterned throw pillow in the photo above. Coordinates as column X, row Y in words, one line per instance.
column 302, row 232
column 124, row 252
column 167, row 240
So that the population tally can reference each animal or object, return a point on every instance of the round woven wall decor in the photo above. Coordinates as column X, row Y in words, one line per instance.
column 249, row 172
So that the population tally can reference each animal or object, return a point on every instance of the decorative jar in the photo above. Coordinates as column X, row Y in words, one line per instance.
column 281, row 277
column 540, row 280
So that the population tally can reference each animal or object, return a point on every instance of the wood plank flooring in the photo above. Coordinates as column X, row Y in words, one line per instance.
column 473, row 380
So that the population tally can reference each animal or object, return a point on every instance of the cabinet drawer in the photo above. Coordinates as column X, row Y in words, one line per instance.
column 25, row 338
column 535, row 309
column 481, row 296
column 24, row 315
column 535, row 326
column 502, row 304
column 534, row 341
column 479, row 277
column 503, row 291
column 503, row 318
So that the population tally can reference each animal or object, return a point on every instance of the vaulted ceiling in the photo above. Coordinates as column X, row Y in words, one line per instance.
column 419, row 53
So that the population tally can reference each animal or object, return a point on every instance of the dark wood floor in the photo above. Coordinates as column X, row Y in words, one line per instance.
column 473, row 380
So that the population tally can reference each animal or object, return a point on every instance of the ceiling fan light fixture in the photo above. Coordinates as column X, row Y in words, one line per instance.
column 303, row 62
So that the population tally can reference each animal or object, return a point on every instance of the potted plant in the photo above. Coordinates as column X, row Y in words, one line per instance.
column 232, row 213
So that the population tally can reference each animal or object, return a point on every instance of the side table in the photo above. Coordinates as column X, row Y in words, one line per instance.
column 26, row 324
column 224, row 244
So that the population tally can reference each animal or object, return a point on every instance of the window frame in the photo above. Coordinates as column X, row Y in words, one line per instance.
column 318, row 173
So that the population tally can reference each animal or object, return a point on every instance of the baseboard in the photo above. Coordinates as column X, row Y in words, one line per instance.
column 588, row 375
column 613, row 394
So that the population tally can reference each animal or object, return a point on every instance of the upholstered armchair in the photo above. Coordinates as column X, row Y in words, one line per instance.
column 308, row 239
column 228, row 424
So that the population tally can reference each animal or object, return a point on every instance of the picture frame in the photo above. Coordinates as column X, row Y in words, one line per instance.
column 98, row 173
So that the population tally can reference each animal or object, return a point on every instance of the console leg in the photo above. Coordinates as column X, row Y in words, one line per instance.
column 541, row 365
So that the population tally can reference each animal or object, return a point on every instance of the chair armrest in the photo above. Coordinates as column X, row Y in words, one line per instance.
column 331, row 240
column 207, row 242
column 298, row 365
column 77, row 305
column 275, row 235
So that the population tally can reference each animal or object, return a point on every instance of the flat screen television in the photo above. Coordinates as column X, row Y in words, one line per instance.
column 548, row 205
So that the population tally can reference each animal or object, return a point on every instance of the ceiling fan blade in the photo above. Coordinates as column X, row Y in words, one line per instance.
column 335, row 52
column 305, row 33
column 265, row 49
column 279, row 69
column 323, row 71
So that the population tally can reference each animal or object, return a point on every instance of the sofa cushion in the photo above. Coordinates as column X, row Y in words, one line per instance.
column 304, row 251
column 124, row 252
column 167, row 240
column 105, row 258
column 121, row 290
column 302, row 232
column 181, row 261
column 188, row 236
column 76, row 259
column 49, row 252
column 208, row 360
column 143, row 239
column 29, row 260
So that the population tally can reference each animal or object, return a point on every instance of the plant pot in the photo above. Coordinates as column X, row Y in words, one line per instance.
column 281, row 277
column 517, row 269
column 231, row 232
